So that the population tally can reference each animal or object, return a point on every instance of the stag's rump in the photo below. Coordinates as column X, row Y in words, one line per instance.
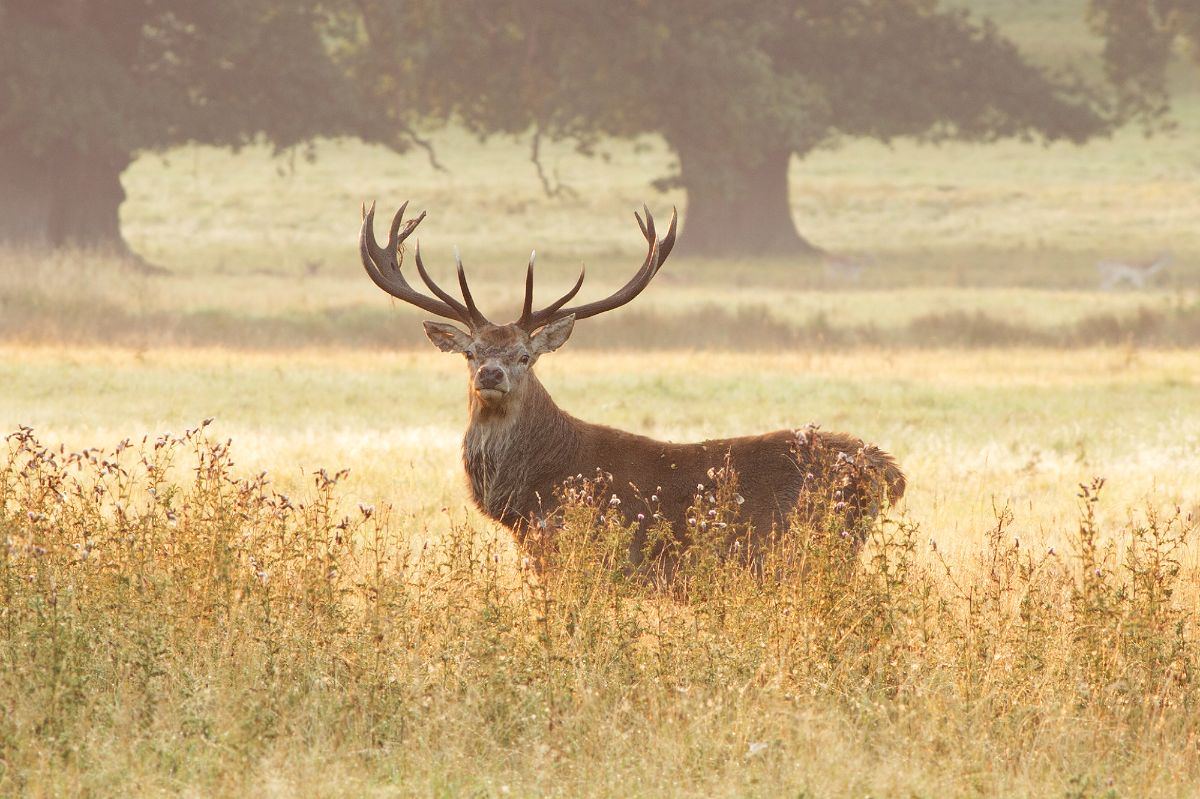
column 812, row 472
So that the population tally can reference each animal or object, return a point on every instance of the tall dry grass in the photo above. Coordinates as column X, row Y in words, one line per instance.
column 171, row 626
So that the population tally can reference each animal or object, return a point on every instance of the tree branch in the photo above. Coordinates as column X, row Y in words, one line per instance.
column 425, row 145
column 535, row 155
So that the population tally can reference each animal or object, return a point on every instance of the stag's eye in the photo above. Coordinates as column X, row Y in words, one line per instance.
column 524, row 360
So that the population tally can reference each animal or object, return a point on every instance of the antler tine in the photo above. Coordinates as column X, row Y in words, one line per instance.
column 464, row 313
column 384, row 269
column 668, row 241
column 648, row 228
column 396, row 236
column 394, row 230
column 659, row 249
column 372, row 254
column 527, row 305
column 477, row 318
column 550, row 312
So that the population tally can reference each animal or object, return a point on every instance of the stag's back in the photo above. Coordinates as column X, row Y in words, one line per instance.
column 775, row 473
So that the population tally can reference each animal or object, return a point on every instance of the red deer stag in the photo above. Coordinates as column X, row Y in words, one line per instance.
column 520, row 447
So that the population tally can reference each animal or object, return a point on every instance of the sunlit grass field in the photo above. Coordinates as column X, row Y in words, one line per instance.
column 187, row 630
column 972, row 430
column 183, row 616
column 170, row 625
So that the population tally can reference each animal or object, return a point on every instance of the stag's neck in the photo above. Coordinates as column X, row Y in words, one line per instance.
column 509, row 448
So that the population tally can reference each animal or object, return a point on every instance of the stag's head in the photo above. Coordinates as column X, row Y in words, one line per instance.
column 499, row 356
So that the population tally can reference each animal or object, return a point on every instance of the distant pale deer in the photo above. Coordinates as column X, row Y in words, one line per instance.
column 1135, row 273
column 520, row 447
column 846, row 269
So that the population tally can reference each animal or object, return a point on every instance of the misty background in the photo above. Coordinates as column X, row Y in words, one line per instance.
column 847, row 173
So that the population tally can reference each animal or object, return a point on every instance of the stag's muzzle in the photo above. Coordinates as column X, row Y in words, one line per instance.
column 489, row 377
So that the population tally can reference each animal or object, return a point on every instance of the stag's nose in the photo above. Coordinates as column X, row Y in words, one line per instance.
column 489, row 377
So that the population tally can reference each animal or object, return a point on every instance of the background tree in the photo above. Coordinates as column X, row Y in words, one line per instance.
column 89, row 84
column 736, row 89
column 1139, row 40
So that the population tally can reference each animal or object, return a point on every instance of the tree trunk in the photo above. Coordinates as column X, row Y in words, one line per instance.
column 738, row 210
column 86, row 203
column 24, row 201
column 63, row 199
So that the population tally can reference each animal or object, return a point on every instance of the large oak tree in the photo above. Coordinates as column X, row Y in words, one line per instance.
column 88, row 85
column 735, row 88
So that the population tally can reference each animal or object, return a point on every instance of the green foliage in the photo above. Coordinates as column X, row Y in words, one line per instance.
column 125, row 77
column 734, row 88
column 1139, row 38
column 735, row 79
column 148, row 75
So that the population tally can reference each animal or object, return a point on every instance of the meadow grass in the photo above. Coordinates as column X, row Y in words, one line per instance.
column 173, row 625
column 1020, row 427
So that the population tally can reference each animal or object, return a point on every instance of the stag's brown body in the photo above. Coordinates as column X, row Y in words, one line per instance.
column 517, row 459
column 520, row 447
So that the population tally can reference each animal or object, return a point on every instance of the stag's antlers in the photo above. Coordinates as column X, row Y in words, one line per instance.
column 383, row 267
column 659, row 250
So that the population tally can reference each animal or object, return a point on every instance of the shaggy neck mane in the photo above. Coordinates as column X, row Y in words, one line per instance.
column 512, row 446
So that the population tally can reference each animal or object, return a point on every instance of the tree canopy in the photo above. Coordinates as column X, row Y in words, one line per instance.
column 1139, row 38
column 89, row 84
column 736, row 89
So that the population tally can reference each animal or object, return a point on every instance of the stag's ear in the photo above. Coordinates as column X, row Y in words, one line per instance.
column 552, row 336
column 447, row 338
